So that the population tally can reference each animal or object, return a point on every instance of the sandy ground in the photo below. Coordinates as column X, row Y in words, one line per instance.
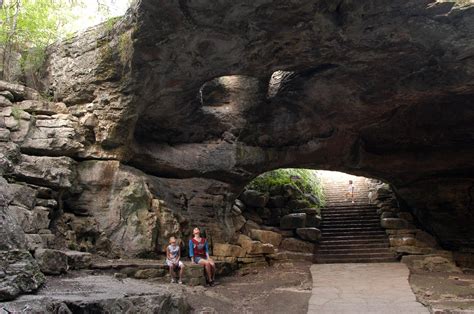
column 284, row 288
column 445, row 292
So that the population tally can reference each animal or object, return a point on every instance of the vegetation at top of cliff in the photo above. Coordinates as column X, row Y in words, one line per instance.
column 305, row 180
column 27, row 27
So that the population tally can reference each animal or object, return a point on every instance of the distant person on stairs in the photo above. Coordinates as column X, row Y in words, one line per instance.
column 350, row 191
column 199, row 253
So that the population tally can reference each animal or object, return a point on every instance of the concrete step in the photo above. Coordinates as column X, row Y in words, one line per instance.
column 325, row 260
column 345, row 210
column 343, row 245
column 351, row 216
column 343, row 255
column 349, row 223
column 358, row 235
column 345, row 241
column 365, row 217
column 348, row 251
column 350, row 205
column 354, row 237
column 353, row 229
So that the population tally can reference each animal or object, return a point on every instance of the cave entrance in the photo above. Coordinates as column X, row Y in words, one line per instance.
column 322, row 216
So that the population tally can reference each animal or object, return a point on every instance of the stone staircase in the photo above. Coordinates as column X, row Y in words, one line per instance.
column 351, row 232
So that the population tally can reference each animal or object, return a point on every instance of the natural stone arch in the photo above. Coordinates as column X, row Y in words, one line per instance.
column 359, row 71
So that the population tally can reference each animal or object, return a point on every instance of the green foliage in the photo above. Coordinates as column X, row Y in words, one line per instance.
column 16, row 113
column 305, row 180
column 125, row 47
column 27, row 27
column 109, row 24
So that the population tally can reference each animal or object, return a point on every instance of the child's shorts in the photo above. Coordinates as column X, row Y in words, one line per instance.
column 170, row 264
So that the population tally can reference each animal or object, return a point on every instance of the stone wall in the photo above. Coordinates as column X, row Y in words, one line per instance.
column 414, row 246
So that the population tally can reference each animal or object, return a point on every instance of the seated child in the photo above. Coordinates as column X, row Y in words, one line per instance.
column 173, row 254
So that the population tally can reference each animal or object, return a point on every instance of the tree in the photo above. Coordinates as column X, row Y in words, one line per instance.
column 27, row 27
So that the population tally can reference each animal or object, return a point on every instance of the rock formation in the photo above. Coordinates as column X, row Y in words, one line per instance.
column 156, row 124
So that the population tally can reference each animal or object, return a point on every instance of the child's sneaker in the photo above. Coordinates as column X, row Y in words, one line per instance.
column 173, row 280
column 180, row 282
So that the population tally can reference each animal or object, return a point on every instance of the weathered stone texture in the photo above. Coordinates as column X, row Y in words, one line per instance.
column 19, row 273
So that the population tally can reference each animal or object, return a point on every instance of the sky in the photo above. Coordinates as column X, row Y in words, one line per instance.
column 88, row 16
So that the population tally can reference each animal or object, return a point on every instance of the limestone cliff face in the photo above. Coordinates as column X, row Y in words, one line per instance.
column 158, row 122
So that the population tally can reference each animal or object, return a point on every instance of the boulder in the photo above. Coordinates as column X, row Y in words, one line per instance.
column 19, row 273
column 238, row 222
column 245, row 242
column 310, row 211
column 19, row 92
column 34, row 242
column 296, row 245
column 312, row 199
column 78, row 260
column 406, row 232
column 58, row 135
column 254, row 198
column 42, row 107
column 252, row 214
column 227, row 259
column 424, row 239
column 298, row 204
column 12, row 235
column 290, row 191
column 287, row 233
column 313, row 221
column 54, row 172
column 264, row 213
column 4, row 135
column 394, row 223
column 240, row 204
column 264, row 236
column 236, row 210
column 277, row 201
column 6, row 99
column 431, row 263
column 407, row 216
column 52, row 262
column 293, row 221
column 195, row 275
column 224, row 249
column 388, row 215
column 405, row 249
column 309, row 234
column 259, row 248
column 23, row 195
column 150, row 273
column 249, row 226
column 248, row 260
column 254, row 247
column 401, row 241
column 31, row 221
column 439, row 264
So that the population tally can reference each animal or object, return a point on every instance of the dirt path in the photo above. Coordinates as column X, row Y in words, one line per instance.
column 444, row 292
column 284, row 288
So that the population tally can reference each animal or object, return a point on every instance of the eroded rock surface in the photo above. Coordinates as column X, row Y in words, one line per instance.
column 376, row 88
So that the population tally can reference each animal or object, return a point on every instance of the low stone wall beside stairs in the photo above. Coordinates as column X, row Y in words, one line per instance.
column 413, row 246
